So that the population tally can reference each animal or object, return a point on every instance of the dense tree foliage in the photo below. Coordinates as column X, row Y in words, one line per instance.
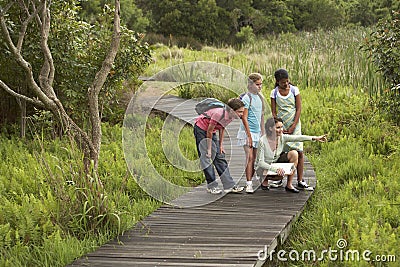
column 219, row 21
column 70, row 66
column 131, row 15
column 78, row 49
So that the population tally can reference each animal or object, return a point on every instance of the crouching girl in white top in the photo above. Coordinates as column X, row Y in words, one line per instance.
column 270, row 150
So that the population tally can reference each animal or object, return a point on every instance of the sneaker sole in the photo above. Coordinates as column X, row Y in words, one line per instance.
column 275, row 186
column 233, row 191
column 214, row 193
column 308, row 188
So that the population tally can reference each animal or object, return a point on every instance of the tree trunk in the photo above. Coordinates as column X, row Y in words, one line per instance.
column 94, row 89
column 23, row 118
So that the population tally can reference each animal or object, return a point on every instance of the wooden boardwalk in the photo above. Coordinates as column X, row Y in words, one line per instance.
column 229, row 231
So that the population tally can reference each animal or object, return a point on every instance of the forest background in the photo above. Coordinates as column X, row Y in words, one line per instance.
column 346, row 65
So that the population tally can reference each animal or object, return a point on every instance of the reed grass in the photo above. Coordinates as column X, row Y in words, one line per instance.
column 320, row 59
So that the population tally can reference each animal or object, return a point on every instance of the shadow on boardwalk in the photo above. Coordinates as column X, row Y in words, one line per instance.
column 230, row 231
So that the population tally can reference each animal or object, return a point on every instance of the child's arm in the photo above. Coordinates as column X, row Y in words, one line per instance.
column 273, row 107
column 221, row 138
column 262, row 115
column 246, row 127
column 246, row 122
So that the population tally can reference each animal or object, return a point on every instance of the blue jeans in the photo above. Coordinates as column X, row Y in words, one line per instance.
column 217, row 159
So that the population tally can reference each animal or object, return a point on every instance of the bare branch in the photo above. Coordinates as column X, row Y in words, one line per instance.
column 100, row 78
column 6, row 8
column 33, row 101
column 6, row 35
column 46, row 76
column 26, row 67
column 25, row 24
column 102, row 74
column 38, row 20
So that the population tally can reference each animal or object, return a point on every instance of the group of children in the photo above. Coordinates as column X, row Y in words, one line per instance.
column 279, row 139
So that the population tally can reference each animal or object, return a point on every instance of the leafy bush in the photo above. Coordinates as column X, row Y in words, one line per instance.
column 389, row 103
column 384, row 48
column 245, row 35
column 199, row 90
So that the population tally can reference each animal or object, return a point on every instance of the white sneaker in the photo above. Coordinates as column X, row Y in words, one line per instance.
column 214, row 191
column 249, row 189
column 305, row 186
column 235, row 189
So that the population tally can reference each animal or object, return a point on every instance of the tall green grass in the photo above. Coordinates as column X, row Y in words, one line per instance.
column 156, row 142
column 320, row 59
column 48, row 213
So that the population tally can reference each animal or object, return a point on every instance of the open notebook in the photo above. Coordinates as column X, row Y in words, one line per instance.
column 288, row 167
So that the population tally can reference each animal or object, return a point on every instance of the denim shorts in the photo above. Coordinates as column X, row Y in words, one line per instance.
column 242, row 139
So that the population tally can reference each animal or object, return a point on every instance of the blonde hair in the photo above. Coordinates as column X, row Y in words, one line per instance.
column 253, row 77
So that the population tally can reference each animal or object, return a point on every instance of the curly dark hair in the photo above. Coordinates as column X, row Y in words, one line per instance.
column 281, row 74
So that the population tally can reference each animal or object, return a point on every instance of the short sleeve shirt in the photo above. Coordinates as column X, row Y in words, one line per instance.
column 255, row 112
column 296, row 92
column 215, row 116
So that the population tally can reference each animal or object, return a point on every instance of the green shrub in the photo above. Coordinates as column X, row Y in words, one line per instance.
column 245, row 35
column 383, row 46
column 198, row 90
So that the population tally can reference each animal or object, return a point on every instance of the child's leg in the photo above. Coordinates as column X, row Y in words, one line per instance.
column 249, row 162
column 205, row 162
column 253, row 161
column 293, row 158
column 300, row 166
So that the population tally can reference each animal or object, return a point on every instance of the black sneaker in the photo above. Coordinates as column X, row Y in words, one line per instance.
column 293, row 190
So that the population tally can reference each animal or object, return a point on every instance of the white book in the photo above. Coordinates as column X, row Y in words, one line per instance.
column 288, row 167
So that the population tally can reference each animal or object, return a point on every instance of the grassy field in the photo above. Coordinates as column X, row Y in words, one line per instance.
column 356, row 198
